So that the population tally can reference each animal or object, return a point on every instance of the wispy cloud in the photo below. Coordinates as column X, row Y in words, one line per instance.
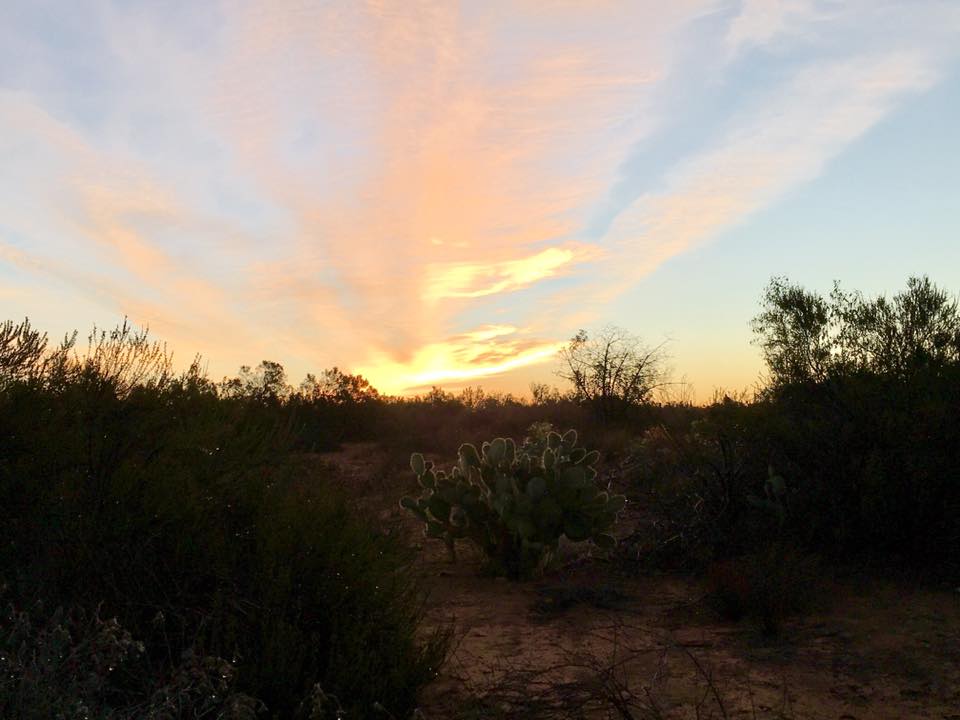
column 474, row 280
column 783, row 133
column 380, row 184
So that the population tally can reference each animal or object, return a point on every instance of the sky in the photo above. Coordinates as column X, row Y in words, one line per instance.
column 442, row 193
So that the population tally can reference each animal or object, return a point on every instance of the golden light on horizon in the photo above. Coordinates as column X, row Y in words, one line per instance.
column 482, row 353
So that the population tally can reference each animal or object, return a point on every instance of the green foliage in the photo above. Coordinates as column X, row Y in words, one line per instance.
column 515, row 503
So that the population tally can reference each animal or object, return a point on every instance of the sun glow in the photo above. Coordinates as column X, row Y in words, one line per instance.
column 487, row 351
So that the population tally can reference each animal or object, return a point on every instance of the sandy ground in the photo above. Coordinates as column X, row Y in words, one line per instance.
column 584, row 639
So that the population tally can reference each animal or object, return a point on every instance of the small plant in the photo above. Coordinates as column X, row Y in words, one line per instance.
column 75, row 665
column 515, row 503
column 767, row 586
column 775, row 491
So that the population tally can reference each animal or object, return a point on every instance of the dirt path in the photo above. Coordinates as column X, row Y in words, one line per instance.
column 880, row 652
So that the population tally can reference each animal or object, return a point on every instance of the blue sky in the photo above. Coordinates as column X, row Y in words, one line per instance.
column 439, row 192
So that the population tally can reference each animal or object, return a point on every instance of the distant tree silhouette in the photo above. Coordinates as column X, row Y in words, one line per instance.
column 806, row 337
column 544, row 394
column 613, row 370
column 21, row 350
column 267, row 383
column 338, row 387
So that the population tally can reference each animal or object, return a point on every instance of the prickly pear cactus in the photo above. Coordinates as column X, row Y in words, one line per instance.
column 515, row 503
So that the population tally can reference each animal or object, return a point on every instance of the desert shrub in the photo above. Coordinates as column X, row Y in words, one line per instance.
column 66, row 667
column 875, row 461
column 870, row 389
column 861, row 419
column 129, row 492
column 868, row 469
column 767, row 586
column 698, row 483
column 76, row 665
column 336, row 407
column 515, row 503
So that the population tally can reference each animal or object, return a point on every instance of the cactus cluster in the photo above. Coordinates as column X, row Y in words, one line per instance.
column 515, row 503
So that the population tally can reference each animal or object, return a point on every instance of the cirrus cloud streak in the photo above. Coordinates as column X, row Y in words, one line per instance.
column 411, row 189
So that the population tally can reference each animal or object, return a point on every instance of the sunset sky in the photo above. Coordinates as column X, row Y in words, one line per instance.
column 441, row 193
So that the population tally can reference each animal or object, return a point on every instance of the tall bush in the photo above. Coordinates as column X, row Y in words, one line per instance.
column 130, row 492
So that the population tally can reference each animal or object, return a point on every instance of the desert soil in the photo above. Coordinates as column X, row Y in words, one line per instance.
column 570, row 643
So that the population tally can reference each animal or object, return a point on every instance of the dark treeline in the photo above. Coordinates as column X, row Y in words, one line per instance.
column 849, row 456
column 241, row 578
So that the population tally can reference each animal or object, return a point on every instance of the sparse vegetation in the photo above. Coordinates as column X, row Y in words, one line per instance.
column 860, row 421
column 155, row 527
column 173, row 546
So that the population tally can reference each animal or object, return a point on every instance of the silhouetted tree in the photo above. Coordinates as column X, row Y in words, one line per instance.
column 21, row 350
column 612, row 371
column 338, row 387
column 806, row 337
column 267, row 383
column 543, row 394
column 793, row 331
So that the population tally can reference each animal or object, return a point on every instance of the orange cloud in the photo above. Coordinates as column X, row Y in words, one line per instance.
column 354, row 183
column 453, row 175
column 472, row 280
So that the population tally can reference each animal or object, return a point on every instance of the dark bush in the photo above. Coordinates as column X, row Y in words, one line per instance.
column 767, row 586
column 129, row 493
column 860, row 419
